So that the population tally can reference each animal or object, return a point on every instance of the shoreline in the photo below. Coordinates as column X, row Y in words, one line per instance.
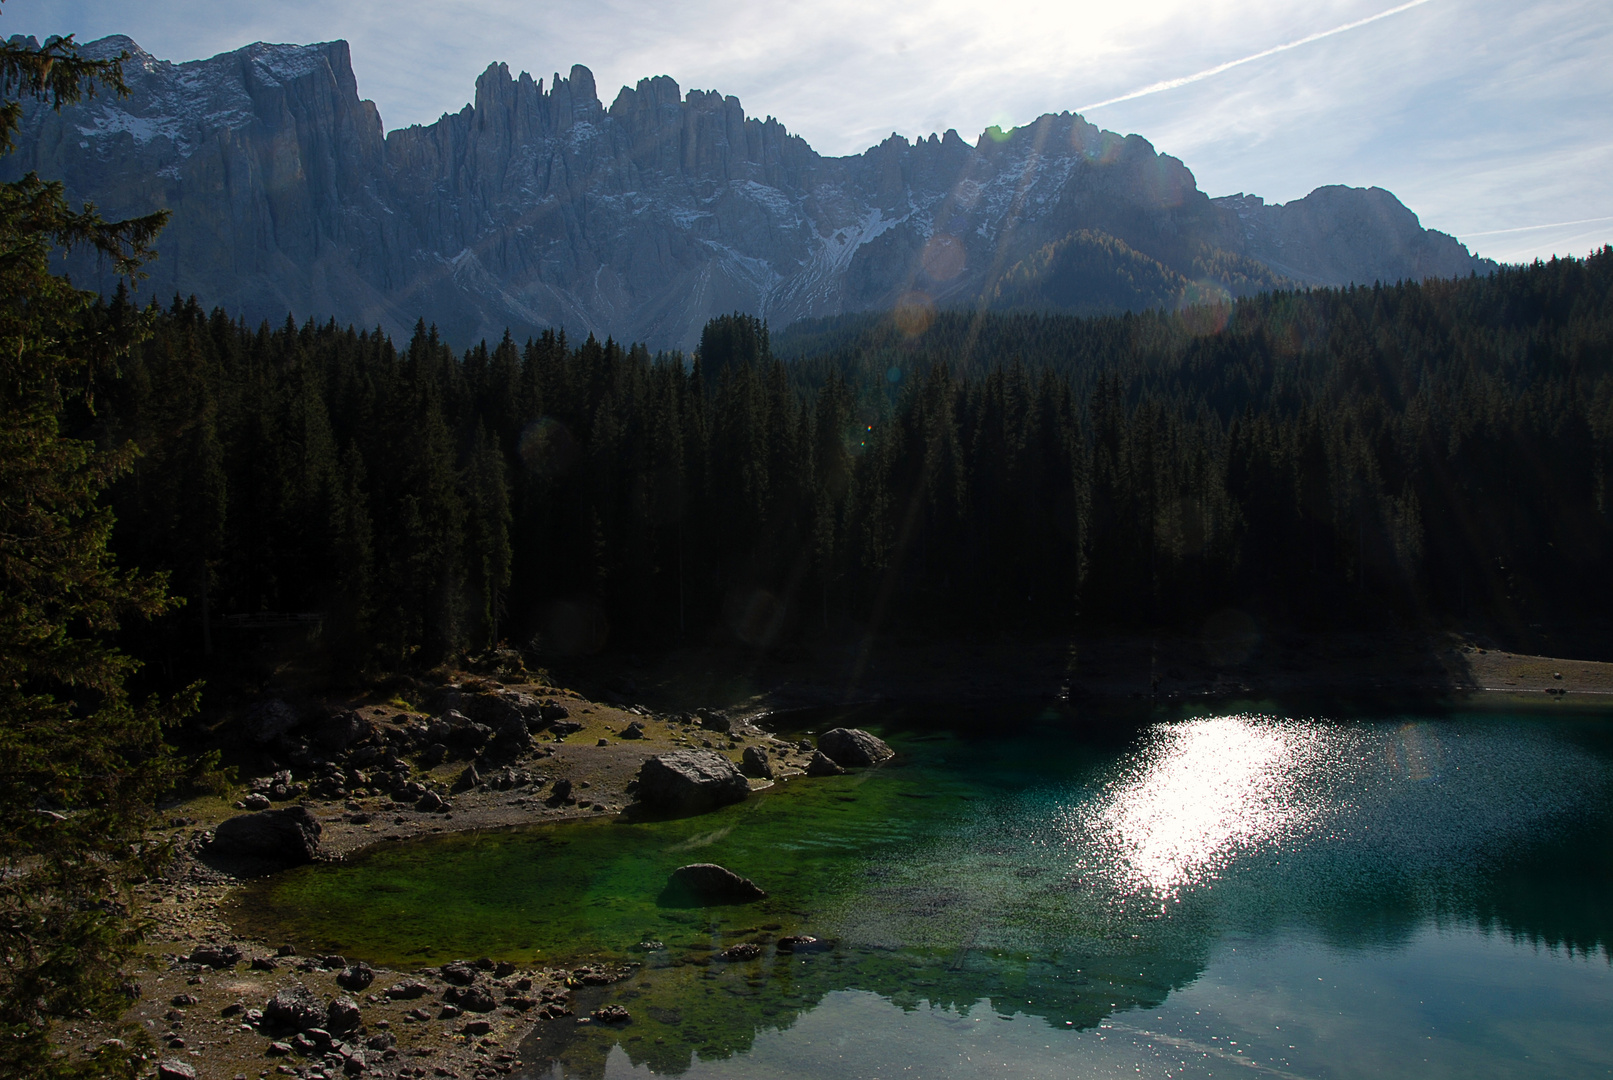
column 190, row 906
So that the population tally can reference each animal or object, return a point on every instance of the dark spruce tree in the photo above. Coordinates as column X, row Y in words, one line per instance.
column 81, row 764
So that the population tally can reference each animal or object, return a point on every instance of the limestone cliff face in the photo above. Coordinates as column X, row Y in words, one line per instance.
column 538, row 207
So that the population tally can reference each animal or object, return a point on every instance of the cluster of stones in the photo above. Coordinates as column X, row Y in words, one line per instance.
column 692, row 781
column 326, row 1036
column 340, row 754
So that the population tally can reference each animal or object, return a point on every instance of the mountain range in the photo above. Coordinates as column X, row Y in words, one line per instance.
column 538, row 206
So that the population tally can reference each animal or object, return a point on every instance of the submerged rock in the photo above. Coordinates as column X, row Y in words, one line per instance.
column 689, row 781
column 854, row 748
column 707, row 884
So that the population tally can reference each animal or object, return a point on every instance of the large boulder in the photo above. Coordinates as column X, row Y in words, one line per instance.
column 287, row 837
column 341, row 729
column 689, row 781
column 270, row 720
column 854, row 748
column 511, row 739
column 707, row 885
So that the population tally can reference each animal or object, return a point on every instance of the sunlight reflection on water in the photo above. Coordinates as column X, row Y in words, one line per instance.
column 1199, row 794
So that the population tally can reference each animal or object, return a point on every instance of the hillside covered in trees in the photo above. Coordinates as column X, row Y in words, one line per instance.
column 1393, row 455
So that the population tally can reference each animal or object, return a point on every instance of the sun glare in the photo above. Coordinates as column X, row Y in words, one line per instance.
column 1204, row 791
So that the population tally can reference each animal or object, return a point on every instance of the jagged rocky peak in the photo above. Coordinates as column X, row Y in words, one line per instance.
column 537, row 206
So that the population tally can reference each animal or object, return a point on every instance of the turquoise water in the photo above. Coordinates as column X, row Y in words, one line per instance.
column 1202, row 896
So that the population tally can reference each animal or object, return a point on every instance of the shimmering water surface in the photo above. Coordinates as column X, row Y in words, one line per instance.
column 1203, row 896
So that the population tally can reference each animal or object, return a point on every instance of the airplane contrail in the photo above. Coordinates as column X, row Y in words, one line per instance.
column 1172, row 84
column 1547, row 225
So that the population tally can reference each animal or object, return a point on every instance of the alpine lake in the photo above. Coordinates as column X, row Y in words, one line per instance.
column 1249, row 891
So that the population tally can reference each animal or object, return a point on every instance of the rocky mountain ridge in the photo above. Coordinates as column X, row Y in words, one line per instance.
column 537, row 207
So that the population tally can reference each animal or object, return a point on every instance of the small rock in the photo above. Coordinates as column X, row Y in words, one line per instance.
column 216, row 956
column 635, row 730
column 611, row 1014
column 822, row 765
column 407, row 991
column 264, row 963
column 477, row 1027
column 278, row 1049
column 355, row 977
column 745, row 950
column 430, row 803
column 753, row 762
column 183, row 1001
column 255, row 801
column 176, row 1070
column 448, row 1012
column 342, row 1015
column 802, row 943
column 470, row 998
column 458, row 973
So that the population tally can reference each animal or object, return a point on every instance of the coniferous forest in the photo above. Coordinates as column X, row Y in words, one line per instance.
column 1413, row 454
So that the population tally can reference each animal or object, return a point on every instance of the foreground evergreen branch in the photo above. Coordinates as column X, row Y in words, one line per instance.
column 81, row 765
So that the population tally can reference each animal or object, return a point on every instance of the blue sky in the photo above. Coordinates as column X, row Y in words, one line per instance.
column 1492, row 119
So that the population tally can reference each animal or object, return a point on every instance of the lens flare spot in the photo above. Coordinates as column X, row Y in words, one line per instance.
column 943, row 257
column 914, row 313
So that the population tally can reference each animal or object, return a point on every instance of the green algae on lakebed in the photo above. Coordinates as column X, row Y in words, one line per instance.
column 561, row 893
